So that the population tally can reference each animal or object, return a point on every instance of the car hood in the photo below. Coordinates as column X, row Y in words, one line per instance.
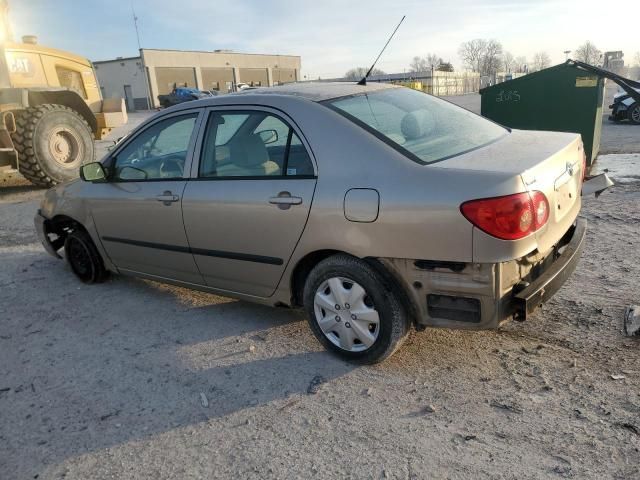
column 623, row 94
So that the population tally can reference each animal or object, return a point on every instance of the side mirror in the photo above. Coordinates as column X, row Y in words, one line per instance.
column 268, row 136
column 93, row 172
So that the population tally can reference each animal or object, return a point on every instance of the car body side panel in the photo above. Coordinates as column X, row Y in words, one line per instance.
column 419, row 216
column 419, row 213
column 241, row 241
column 139, row 232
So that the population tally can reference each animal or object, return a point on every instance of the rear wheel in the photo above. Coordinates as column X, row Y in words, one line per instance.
column 52, row 141
column 83, row 257
column 633, row 114
column 353, row 311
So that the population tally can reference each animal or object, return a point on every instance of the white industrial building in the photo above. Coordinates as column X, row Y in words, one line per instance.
column 139, row 80
column 125, row 78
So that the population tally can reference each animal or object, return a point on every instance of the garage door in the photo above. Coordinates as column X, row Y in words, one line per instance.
column 220, row 79
column 256, row 77
column 167, row 77
column 283, row 75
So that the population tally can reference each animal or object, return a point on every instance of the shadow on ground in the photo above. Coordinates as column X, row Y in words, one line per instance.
column 131, row 358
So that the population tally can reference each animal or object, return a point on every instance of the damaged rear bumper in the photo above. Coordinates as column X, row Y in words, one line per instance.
column 483, row 295
column 546, row 285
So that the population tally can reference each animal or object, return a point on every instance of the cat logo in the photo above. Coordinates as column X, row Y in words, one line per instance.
column 20, row 65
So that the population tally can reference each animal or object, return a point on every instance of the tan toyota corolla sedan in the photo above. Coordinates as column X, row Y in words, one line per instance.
column 376, row 208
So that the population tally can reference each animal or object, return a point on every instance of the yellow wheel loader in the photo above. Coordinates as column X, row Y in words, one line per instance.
column 51, row 110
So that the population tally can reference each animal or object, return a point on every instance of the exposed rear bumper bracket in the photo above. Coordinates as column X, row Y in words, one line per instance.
column 547, row 284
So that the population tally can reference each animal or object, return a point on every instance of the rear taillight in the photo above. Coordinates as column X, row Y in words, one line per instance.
column 510, row 217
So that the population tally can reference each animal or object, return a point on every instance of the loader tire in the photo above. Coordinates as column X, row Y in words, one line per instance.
column 52, row 142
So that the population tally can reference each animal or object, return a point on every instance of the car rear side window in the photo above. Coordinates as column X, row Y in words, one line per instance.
column 256, row 144
column 425, row 128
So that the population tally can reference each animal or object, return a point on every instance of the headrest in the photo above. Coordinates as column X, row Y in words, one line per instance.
column 417, row 124
column 249, row 152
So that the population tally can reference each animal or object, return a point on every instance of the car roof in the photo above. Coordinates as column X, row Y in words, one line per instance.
column 310, row 91
column 317, row 91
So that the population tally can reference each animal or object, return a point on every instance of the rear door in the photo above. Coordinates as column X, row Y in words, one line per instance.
column 138, row 212
column 248, row 206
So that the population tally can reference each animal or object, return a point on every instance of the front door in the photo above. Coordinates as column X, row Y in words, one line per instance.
column 128, row 98
column 138, row 213
column 246, row 211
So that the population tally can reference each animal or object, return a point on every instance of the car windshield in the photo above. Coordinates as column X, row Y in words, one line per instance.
column 423, row 127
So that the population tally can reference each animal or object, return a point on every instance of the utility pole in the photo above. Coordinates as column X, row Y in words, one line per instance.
column 135, row 24
column 566, row 54
column 143, row 67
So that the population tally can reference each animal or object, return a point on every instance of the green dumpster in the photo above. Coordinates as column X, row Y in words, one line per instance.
column 562, row 98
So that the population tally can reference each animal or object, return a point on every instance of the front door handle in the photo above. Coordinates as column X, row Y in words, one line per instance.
column 167, row 198
column 284, row 200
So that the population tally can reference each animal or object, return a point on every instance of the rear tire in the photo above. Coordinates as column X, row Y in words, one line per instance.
column 83, row 258
column 353, row 311
column 52, row 141
column 633, row 114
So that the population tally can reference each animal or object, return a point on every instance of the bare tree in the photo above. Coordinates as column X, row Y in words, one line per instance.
column 433, row 60
column 418, row 64
column 482, row 56
column 424, row 64
column 358, row 72
column 588, row 53
column 508, row 62
column 541, row 60
column 472, row 52
column 520, row 65
column 491, row 61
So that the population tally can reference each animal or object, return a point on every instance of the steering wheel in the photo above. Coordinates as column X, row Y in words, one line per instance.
column 172, row 167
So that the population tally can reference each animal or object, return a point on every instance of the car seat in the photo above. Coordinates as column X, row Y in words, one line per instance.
column 417, row 124
column 249, row 157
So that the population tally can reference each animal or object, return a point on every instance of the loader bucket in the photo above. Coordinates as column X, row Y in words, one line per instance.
column 113, row 113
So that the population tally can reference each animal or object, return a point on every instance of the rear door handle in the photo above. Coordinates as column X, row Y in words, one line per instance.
column 284, row 200
column 167, row 198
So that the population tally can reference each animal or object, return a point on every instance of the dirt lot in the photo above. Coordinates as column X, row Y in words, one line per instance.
column 132, row 379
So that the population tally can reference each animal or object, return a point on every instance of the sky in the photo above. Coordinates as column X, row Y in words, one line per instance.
column 331, row 36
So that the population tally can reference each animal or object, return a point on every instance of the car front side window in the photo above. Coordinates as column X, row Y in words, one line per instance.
column 158, row 153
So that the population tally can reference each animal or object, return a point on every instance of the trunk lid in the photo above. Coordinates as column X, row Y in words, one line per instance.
column 549, row 162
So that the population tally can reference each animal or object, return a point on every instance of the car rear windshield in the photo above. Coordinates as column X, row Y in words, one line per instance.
column 425, row 128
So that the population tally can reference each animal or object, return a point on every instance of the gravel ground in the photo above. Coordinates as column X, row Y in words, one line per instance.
column 133, row 379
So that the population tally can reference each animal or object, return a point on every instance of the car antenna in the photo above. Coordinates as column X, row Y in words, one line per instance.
column 364, row 79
